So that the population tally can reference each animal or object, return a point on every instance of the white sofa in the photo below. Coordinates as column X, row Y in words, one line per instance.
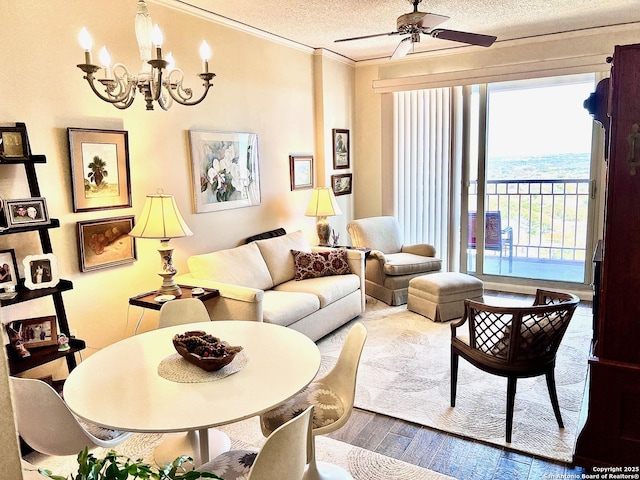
column 257, row 282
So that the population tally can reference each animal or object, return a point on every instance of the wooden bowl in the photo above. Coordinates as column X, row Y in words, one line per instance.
column 210, row 363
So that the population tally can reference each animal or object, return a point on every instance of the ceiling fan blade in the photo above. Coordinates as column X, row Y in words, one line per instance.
column 464, row 37
column 366, row 36
column 402, row 49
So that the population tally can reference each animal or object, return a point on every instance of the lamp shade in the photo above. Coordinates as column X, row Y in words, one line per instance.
column 323, row 203
column 160, row 218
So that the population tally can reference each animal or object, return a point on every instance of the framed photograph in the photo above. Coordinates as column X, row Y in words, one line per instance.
column 8, row 268
column 13, row 143
column 226, row 170
column 301, row 171
column 340, row 148
column 341, row 183
column 40, row 271
column 105, row 243
column 26, row 211
column 100, row 177
column 36, row 332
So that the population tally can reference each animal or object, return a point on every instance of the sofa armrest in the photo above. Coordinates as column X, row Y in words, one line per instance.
column 234, row 303
column 423, row 249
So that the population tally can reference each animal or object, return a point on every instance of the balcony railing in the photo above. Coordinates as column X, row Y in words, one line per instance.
column 548, row 217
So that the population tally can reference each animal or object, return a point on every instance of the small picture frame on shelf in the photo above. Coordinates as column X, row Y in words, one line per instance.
column 340, row 148
column 8, row 270
column 36, row 332
column 301, row 171
column 26, row 211
column 341, row 183
column 40, row 271
column 105, row 243
column 13, row 143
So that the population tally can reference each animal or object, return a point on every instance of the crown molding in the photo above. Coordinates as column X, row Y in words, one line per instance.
column 183, row 7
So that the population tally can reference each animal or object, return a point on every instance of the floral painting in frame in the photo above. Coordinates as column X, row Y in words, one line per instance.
column 226, row 170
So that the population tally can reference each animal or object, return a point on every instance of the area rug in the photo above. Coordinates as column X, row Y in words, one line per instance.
column 405, row 373
column 362, row 464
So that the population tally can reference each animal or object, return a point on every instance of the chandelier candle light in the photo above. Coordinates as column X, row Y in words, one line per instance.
column 159, row 80
column 161, row 219
column 323, row 204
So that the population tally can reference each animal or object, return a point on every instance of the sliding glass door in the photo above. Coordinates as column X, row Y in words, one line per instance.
column 530, row 182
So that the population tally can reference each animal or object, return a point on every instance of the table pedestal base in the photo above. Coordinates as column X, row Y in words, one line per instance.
column 325, row 471
column 201, row 445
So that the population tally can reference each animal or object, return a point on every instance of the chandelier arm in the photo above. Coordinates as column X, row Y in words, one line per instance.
column 125, row 86
column 184, row 95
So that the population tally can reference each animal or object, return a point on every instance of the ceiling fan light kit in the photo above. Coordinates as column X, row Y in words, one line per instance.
column 416, row 23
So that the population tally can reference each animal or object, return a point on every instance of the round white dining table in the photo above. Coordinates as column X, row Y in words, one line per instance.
column 119, row 386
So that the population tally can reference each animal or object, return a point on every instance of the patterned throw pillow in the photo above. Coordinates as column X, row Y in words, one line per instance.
column 320, row 264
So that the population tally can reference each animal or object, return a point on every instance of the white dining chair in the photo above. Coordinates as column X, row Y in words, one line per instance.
column 47, row 425
column 282, row 457
column 181, row 311
column 332, row 397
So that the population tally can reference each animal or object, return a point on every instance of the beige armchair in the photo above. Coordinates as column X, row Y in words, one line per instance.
column 391, row 264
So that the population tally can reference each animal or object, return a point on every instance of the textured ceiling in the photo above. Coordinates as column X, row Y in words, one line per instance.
column 317, row 23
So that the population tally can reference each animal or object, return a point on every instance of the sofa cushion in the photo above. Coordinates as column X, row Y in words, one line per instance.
column 277, row 254
column 320, row 264
column 406, row 263
column 327, row 289
column 284, row 308
column 241, row 265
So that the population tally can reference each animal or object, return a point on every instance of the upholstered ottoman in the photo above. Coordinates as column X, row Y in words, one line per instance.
column 440, row 296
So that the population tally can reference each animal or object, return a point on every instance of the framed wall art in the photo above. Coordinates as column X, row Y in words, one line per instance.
column 341, row 183
column 13, row 143
column 100, row 177
column 340, row 148
column 105, row 243
column 26, row 211
column 36, row 332
column 301, row 171
column 8, row 268
column 40, row 271
column 226, row 170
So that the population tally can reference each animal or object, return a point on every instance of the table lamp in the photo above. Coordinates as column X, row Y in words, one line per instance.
column 161, row 219
column 322, row 205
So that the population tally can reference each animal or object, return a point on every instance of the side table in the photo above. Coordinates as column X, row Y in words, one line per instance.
column 146, row 300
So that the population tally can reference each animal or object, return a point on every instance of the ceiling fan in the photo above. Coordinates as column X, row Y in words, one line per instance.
column 415, row 23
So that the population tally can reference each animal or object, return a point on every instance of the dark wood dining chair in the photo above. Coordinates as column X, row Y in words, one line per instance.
column 513, row 342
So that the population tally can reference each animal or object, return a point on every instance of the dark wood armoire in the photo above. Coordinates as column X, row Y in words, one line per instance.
column 611, row 431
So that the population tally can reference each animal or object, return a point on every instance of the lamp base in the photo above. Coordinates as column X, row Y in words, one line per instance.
column 169, row 286
column 167, row 270
column 324, row 231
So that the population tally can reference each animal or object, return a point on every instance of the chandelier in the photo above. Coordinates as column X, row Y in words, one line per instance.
column 159, row 80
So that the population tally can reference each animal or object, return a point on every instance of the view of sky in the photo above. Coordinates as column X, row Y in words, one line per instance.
column 539, row 121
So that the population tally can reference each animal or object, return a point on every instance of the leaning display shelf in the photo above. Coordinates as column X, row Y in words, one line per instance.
column 41, row 355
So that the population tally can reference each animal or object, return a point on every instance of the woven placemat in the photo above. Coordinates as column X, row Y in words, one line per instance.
column 177, row 369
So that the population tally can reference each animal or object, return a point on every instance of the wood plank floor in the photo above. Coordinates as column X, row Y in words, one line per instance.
column 459, row 457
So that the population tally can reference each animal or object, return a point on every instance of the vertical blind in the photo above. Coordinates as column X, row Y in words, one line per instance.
column 427, row 159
